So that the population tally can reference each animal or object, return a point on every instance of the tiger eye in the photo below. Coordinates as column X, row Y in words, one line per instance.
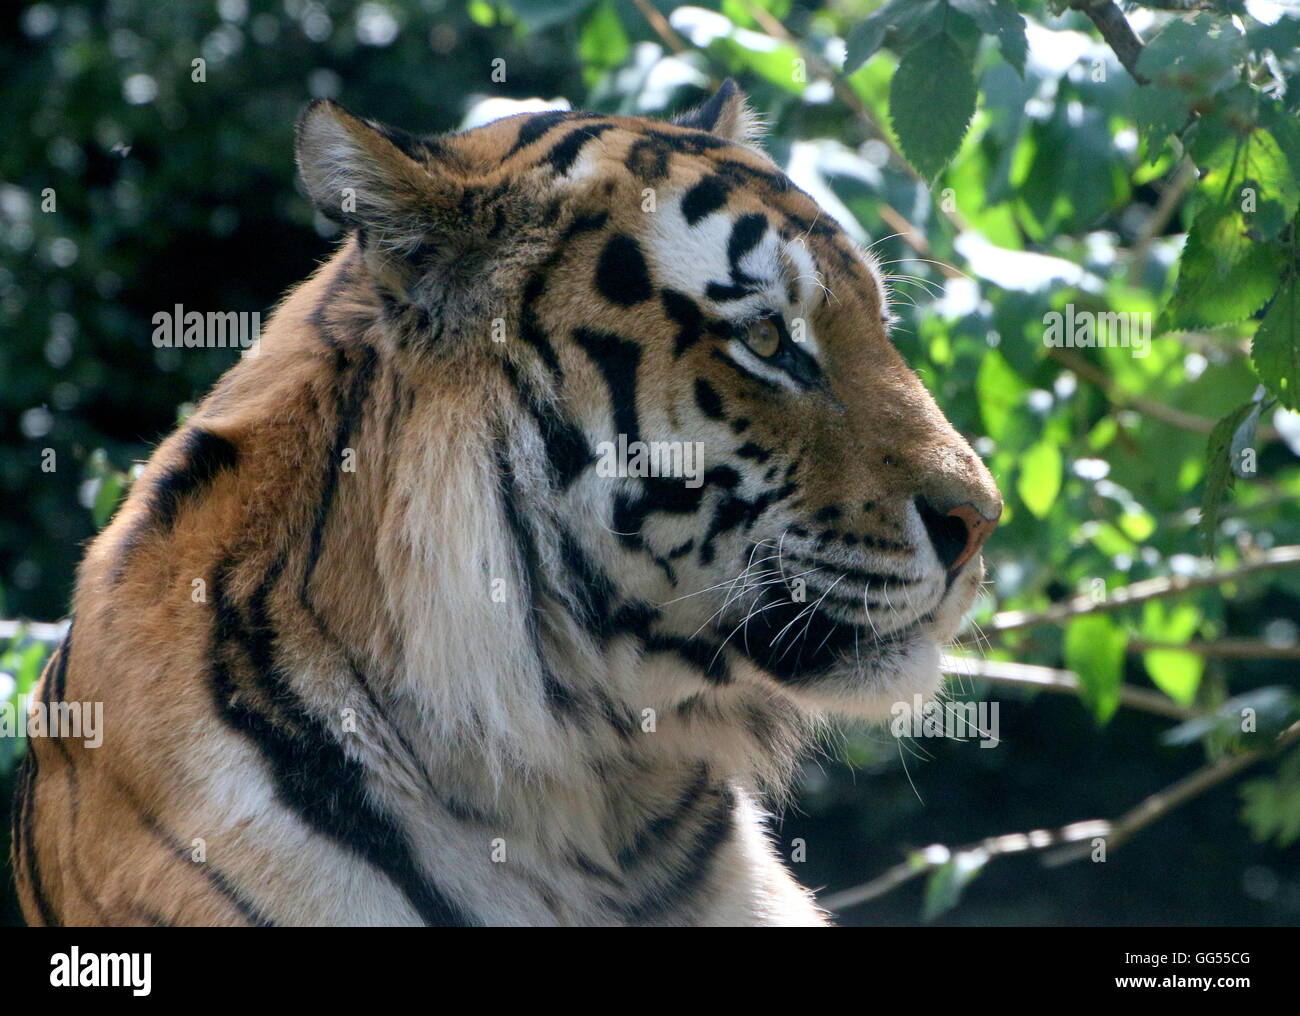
column 764, row 338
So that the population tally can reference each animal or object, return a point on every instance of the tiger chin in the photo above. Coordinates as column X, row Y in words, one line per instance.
column 376, row 641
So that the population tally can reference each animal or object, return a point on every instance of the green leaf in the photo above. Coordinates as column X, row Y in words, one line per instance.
column 1218, row 473
column 1272, row 709
column 1271, row 807
column 1040, row 477
column 931, row 101
column 1247, row 171
column 1224, row 275
column 999, row 390
column 1159, row 112
column 1177, row 674
column 863, row 40
column 602, row 43
column 106, row 498
column 1275, row 350
column 944, row 886
column 29, row 667
column 1200, row 56
column 1094, row 649
column 1243, row 441
column 902, row 22
column 1000, row 19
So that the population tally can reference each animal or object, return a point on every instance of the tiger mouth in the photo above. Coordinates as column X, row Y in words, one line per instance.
column 798, row 641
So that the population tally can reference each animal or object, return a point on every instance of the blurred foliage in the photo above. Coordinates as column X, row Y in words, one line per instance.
column 1003, row 166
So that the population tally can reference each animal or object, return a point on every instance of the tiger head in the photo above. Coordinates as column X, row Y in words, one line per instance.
column 703, row 439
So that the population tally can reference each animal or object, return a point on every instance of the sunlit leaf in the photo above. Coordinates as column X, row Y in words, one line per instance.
column 1040, row 477
column 943, row 887
column 1094, row 649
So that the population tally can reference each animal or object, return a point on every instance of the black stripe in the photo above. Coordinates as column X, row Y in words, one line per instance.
column 618, row 359
column 706, row 197
column 745, row 236
column 868, row 578
column 530, row 328
column 207, row 869
column 708, row 399
column 592, row 589
column 686, row 315
column 562, row 156
column 53, row 685
column 723, row 293
column 536, row 125
column 203, row 456
column 691, row 871
column 349, row 408
column 59, row 674
column 567, row 451
column 654, row 834
column 702, row 654
column 763, row 382
column 528, row 566
column 622, row 275
column 25, row 834
column 313, row 775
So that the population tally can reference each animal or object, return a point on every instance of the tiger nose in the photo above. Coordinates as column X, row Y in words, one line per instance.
column 958, row 532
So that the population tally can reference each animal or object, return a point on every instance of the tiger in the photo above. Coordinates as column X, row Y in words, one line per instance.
column 386, row 635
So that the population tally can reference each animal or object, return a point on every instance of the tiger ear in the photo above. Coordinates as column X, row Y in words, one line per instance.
column 726, row 115
column 365, row 176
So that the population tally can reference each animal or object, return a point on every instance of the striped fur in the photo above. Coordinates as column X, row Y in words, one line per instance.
column 378, row 644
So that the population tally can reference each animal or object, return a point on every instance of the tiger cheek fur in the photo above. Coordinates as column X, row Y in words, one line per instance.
column 382, row 639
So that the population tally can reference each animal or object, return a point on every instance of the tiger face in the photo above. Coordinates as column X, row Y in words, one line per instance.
column 718, row 444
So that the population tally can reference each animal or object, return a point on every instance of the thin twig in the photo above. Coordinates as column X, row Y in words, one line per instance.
column 1179, row 418
column 1032, row 676
column 1070, row 839
column 1148, row 589
column 1154, row 224
column 654, row 17
column 1221, row 649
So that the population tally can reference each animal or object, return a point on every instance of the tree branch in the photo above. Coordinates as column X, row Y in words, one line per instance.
column 1174, row 417
column 1066, row 682
column 1222, row 649
column 1147, row 589
column 1068, row 842
column 37, row 631
column 1117, row 32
